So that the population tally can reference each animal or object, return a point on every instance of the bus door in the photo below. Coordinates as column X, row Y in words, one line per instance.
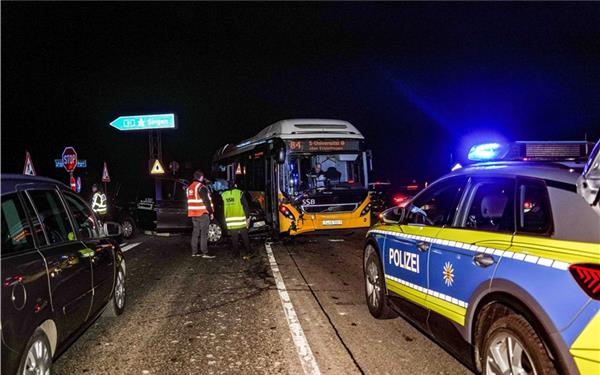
column 271, row 191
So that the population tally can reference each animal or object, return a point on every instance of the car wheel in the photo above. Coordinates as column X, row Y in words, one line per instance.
column 37, row 358
column 377, row 300
column 116, row 305
column 511, row 346
column 128, row 225
column 214, row 233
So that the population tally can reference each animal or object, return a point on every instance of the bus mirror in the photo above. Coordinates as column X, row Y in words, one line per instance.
column 281, row 155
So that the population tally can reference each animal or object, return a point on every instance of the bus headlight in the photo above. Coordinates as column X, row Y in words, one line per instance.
column 286, row 212
column 366, row 210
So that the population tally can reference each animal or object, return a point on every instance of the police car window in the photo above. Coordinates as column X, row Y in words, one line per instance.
column 534, row 208
column 492, row 207
column 437, row 205
column 53, row 215
column 16, row 232
column 85, row 222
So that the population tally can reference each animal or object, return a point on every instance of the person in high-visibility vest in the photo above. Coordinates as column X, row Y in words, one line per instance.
column 201, row 211
column 99, row 204
column 235, row 212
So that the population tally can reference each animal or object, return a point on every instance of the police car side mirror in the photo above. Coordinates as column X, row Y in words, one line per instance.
column 394, row 215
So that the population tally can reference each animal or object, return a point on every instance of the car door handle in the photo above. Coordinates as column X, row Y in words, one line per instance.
column 423, row 246
column 483, row 260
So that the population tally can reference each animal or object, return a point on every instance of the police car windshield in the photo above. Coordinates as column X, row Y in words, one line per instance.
column 323, row 172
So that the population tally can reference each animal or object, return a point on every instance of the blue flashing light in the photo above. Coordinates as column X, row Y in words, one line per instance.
column 487, row 151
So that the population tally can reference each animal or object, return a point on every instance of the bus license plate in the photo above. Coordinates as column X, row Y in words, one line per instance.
column 331, row 222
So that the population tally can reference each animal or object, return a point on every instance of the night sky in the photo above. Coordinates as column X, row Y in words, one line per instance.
column 420, row 80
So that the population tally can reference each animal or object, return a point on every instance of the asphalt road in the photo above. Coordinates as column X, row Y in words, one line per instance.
column 189, row 315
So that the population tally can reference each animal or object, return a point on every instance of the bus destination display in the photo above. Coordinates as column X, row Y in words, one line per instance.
column 323, row 145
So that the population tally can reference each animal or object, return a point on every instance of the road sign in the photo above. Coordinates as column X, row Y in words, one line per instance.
column 73, row 183
column 69, row 159
column 81, row 163
column 157, row 167
column 28, row 168
column 78, row 184
column 105, row 176
column 144, row 122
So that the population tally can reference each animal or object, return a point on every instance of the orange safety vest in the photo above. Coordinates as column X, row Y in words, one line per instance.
column 196, row 206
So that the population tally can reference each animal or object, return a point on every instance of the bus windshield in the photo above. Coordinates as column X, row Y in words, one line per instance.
column 310, row 172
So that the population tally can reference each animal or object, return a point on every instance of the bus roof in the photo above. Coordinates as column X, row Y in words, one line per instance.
column 309, row 128
column 292, row 129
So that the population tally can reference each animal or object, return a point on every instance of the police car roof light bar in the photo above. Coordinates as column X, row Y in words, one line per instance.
column 531, row 151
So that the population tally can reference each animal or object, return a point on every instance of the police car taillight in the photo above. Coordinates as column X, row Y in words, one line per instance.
column 588, row 278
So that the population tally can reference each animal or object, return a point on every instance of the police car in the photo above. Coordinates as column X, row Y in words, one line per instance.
column 499, row 261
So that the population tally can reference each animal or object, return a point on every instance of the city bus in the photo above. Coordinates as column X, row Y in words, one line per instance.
column 304, row 174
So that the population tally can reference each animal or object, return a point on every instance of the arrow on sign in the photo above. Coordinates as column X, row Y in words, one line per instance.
column 144, row 122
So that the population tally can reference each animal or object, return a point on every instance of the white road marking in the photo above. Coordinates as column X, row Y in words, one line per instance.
column 130, row 246
column 309, row 364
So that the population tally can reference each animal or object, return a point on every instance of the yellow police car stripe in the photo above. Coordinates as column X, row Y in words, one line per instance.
column 443, row 304
column 586, row 348
column 513, row 254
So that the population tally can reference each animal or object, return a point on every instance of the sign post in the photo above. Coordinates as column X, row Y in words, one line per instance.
column 28, row 168
column 153, row 123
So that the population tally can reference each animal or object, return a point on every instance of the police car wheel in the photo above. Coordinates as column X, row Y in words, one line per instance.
column 377, row 301
column 512, row 346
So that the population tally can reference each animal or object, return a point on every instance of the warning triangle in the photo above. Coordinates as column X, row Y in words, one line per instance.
column 105, row 176
column 28, row 168
column 157, row 168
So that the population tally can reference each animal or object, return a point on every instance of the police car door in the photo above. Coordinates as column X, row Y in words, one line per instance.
column 465, row 254
column 406, row 253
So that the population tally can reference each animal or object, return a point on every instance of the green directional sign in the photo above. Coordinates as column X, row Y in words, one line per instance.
column 144, row 122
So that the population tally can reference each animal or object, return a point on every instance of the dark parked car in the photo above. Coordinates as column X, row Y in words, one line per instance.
column 60, row 271
column 169, row 214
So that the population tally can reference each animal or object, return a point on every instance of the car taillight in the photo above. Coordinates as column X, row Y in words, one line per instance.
column 286, row 212
column 588, row 278
column 399, row 198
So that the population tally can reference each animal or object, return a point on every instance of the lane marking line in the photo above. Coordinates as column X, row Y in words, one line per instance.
column 130, row 246
column 309, row 364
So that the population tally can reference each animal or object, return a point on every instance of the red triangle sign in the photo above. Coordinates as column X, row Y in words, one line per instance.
column 28, row 169
column 105, row 176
